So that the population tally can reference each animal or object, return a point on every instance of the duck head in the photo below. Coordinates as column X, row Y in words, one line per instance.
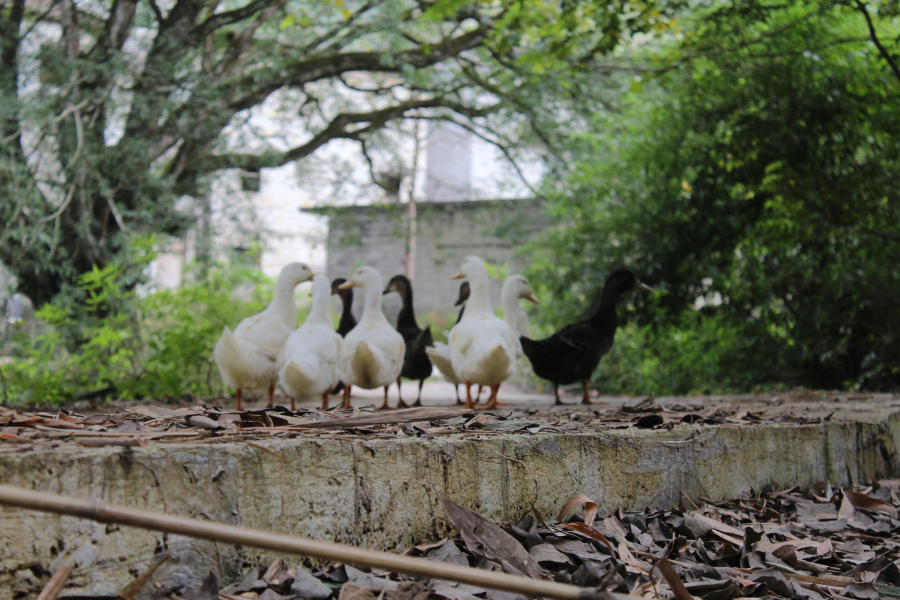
column 471, row 267
column 516, row 286
column 295, row 273
column 399, row 284
column 364, row 277
column 622, row 280
column 463, row 293
column 336, row 286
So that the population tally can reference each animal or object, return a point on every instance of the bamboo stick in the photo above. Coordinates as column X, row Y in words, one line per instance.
column 330, row 551
column 56, row 582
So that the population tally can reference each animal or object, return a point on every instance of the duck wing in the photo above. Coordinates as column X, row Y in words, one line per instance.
column 570, row 354
column 416, row 364
column 440, row 356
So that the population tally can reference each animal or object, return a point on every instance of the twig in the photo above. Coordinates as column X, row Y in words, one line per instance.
column 329, row 551
column 674, row 581
column 689, row 500
column 55, row 584
column 874, row 36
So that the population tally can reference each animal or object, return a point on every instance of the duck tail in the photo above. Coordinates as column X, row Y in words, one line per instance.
column 529, row 346
column 297, row 376
column 365, row 363
column 230, row 358
column 497, row 359
column 440, row 357
column 423, row 341
column 242, row 364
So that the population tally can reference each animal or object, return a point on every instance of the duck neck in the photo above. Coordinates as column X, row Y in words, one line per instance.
column 606, row 317
column 319, row 311
column 283, row 300
column 372, row 307
column 347, row 318
column 407, row 316
column 479, row 302
column 513, row 313
column 461, row 311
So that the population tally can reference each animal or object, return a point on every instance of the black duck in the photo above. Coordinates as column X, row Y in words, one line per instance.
column 416, row 365
column 572, row 353
column 347, row 322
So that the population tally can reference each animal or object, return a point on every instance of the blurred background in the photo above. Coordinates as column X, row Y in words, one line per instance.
column 161, row 161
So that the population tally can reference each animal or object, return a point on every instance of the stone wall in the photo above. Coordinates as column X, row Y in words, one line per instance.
column 374, row 235
column 381, row 494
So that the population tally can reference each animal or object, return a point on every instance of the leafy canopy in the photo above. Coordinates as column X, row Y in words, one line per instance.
column 752, row 178
column 112, row 111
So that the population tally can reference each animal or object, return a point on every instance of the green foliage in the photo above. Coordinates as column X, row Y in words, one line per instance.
column 128, row 346
column 758, row 179
column 118, row 136
column 698, row 354
column 180, row 328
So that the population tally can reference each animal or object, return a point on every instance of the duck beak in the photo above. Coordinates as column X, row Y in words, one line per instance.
column 346, row 285
column 387, row 290
column 458, row 275
column 642, row 287
column 458, row 302
column 532, row 298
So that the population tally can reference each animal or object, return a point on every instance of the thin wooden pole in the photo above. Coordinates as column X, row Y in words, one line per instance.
column 330, row 551
column 56, row 582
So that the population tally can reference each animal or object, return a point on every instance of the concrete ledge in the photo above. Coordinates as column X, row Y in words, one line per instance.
column 381, row 493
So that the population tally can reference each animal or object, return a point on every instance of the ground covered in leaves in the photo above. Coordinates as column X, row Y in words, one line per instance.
column 133, row 424
column 818, row 544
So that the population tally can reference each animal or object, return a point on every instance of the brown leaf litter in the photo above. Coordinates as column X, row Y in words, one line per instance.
column 128, row 424
column 816, row 544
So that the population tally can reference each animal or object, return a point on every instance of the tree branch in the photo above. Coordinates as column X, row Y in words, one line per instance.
column 323, row 67
column 501, row 147
column 340, row 127
column 874, row 35
column 333, row 32
column 156, row 11
column 227, row 18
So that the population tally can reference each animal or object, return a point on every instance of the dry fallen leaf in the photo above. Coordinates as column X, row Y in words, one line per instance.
column 483, row 535
column 590, row 508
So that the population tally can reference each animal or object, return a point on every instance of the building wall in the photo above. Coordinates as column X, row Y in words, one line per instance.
column 374, row 235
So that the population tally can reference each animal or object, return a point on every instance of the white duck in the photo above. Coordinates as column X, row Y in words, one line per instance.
column 372, row 353
column 482, row 346
column 309, row 365
column 439, row 353
column 440, row 357
column 514, row 288
column 246, row 358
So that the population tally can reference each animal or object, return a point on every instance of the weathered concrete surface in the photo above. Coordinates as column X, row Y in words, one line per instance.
column 380, row 493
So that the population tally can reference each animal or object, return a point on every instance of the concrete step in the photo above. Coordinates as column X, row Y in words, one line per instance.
column 381, row 493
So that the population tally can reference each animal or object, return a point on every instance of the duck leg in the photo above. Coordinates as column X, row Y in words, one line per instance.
column 346, row 403
column 293, row 405
column 456, row 389
column 418, row 401
column 324, row 402
column 384, row 405
column 556, row 393
column 400, row 403
column 492, row 400
column 587, row 393
column 271, row 403
column 237, row 395
column 469, row 403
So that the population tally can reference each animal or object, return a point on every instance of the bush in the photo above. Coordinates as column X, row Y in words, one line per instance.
column 762, row 173
column 107, row 341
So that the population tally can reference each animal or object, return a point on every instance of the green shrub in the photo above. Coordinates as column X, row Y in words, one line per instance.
column 108, row 341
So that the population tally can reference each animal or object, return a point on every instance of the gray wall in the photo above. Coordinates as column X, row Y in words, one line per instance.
column 447, row 232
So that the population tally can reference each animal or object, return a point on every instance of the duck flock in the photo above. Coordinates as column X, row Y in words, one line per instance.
column 316, row 361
